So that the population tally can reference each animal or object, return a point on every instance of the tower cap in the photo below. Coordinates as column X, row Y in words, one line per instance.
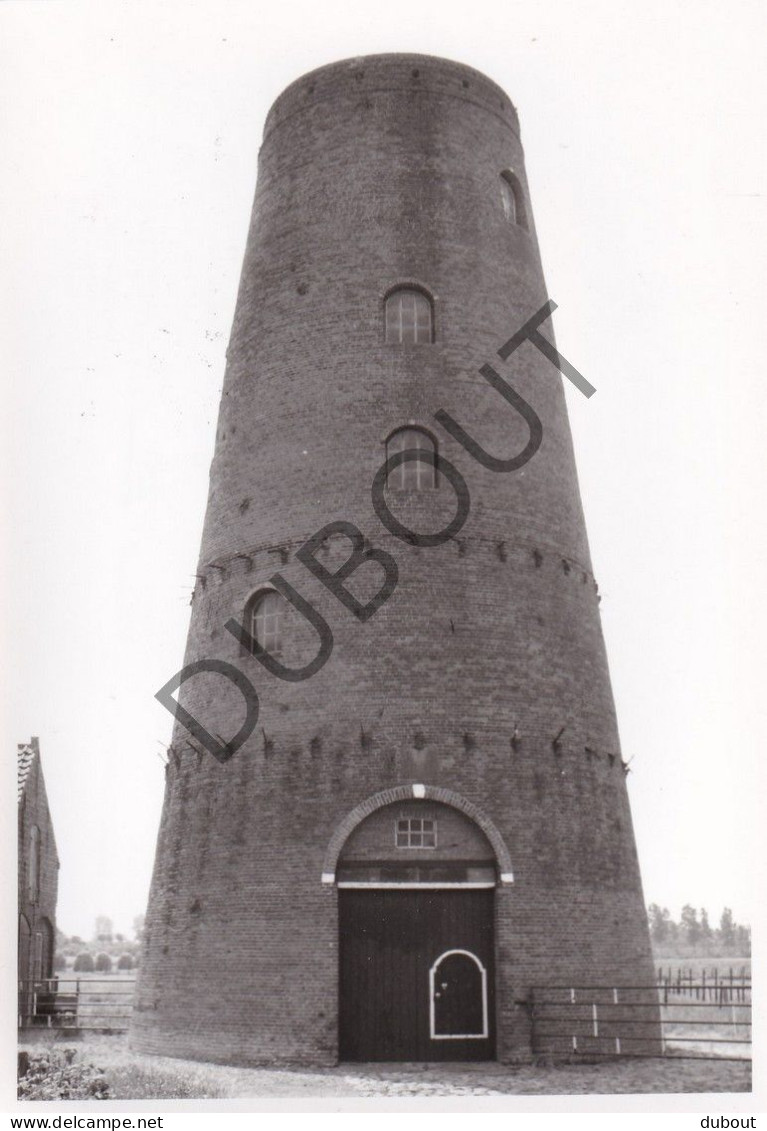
column 368, row 74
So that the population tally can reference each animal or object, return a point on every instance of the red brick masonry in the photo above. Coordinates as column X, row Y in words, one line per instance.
column 483, row 677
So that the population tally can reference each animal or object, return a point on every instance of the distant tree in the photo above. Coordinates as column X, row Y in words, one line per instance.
column 119, row 937
column 660, row 924
column 743, row 941
column 59, row 961
column 125, row 962
column 726, row 929
column 103, row 963
column 76, row 939
column 706, row 933
column 138, row 927
column 694, row 936
column 690, row 925
column 84, row 963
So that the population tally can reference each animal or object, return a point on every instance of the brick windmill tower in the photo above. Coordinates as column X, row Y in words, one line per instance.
column 429, row 817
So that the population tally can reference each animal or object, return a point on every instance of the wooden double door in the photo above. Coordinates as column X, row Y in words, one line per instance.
column 416, row 975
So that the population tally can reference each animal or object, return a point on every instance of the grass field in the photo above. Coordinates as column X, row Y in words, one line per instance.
column 133, row 1076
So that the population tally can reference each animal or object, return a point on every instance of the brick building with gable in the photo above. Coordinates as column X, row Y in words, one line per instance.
column 38, row 872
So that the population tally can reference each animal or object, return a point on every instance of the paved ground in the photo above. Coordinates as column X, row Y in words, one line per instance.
column 134, row 1076
column 488, row 1080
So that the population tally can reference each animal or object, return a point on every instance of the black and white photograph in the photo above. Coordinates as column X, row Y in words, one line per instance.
column 384, row 473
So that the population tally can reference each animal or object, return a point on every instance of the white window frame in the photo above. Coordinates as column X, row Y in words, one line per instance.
column 418, row 322
column 424, row 472
column 414, row 847
column 418, row 885
column 273, row 622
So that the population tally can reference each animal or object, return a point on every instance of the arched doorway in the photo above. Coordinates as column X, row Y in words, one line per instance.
column 416, row 895
column 25, row 993
column 43, row 951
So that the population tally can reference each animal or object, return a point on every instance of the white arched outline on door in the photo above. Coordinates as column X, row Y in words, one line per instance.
column 458, row 1036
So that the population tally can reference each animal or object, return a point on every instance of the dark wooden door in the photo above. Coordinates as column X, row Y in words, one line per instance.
column 416, row 975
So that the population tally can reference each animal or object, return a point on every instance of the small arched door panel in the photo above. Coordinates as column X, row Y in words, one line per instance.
column 458, row 997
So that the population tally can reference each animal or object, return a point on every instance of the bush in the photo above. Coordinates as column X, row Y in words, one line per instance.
column 103, row 963
column 139, row 1082
column 59, row 962
column 53, row 1075
column 125, row 962
column 84, row 963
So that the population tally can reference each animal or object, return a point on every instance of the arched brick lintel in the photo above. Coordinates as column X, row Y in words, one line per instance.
column 407, row 793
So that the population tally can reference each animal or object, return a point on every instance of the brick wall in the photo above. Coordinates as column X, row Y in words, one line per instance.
column 373, row 173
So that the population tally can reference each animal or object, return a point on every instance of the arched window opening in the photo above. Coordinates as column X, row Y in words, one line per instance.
column 416, row 842
column 33, row 864
column 513, row 199
column 266, row 621
column 37, row 957
column 46, row 948
column 25, row 993
column 409, row 317
column 412, row 474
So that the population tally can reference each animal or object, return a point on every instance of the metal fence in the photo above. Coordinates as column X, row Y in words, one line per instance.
column 677, row 1018
column 96, row 1002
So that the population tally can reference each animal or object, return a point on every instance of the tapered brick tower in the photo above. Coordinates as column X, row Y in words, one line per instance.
column 428, row 820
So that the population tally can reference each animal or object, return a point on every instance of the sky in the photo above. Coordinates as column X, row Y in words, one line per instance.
column 130, row 151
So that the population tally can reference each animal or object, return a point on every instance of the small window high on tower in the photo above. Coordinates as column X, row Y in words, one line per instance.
column 409, row 317
column 413, row 474
column 513, row 200
column 266, row 620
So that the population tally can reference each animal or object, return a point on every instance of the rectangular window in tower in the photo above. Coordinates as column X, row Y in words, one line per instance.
column 415, row 832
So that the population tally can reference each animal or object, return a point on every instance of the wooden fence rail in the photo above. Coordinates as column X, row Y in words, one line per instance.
column 675, row 1018
column 103, row 1003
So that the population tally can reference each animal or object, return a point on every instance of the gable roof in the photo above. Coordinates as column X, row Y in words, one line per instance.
column 26, row 754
